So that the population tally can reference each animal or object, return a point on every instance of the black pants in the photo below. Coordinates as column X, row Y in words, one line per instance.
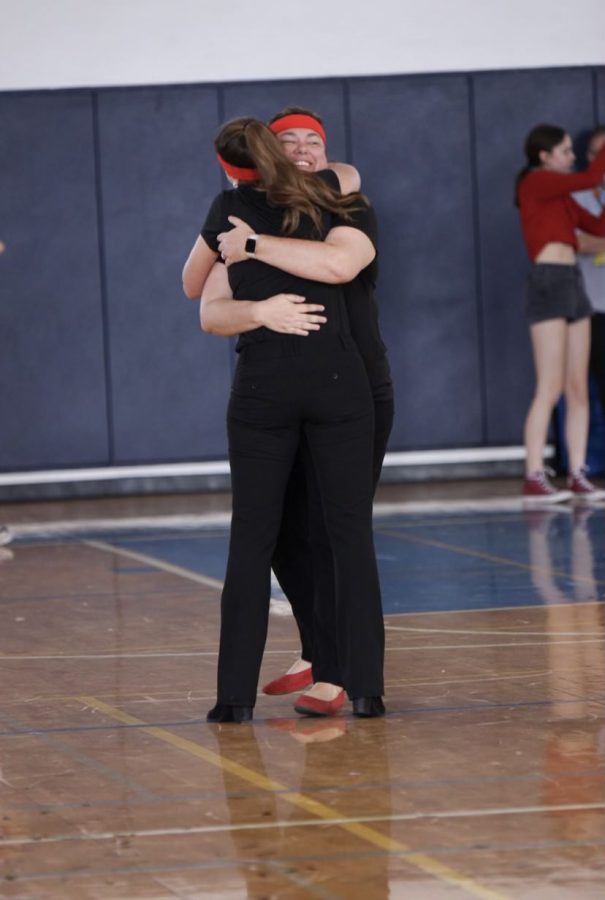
column 302, row 561
column 322, row 392
column 597, row 354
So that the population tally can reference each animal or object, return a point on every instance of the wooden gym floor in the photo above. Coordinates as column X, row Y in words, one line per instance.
column 485, row 779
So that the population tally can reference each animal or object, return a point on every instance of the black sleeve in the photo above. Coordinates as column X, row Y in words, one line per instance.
column 216, row 221
column 364, row 219
column 331, row 179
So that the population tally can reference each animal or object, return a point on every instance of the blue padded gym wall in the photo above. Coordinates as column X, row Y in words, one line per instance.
column 169, row 382
column 102, row 193
column 52, row 368
column 411, row 140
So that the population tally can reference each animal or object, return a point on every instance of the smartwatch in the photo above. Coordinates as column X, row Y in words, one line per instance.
column 250, row 245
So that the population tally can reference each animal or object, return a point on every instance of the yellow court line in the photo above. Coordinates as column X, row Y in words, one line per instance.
column 502, row 560
column 490, row 609
column 370, row 835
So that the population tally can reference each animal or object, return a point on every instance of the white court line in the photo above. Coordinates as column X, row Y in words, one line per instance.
column 304, row 823
column 488, row 504
column 192, row 521
column 141, row 655
column 221, row 466
column 185, row 653
column 146, row 523
column 515, row 644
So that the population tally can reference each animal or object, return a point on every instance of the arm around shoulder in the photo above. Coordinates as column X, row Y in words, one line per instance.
column 349, row 251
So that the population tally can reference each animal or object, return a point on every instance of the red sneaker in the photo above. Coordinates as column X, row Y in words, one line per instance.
column 288, row 684
column 538, row 489
column 583, row 489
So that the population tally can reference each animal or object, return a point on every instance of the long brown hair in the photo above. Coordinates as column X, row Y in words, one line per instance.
column 248, row 143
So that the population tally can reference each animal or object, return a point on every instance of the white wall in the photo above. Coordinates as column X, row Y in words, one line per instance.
column 74, row 43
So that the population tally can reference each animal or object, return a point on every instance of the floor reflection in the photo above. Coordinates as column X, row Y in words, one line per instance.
column 333, row 771
column 574, row 759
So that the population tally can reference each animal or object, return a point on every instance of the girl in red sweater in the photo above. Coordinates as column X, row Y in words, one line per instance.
column 557, row 306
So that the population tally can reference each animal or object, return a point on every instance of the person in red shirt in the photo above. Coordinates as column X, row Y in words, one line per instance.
column 592, row 264
column 557, row 306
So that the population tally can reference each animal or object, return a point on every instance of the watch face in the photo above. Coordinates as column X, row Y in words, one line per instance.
column 250, row 245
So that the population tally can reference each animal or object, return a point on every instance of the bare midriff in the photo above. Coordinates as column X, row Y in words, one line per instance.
column 556, row 253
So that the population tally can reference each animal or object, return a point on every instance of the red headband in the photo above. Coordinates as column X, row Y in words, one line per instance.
column 237, row 172
column 298, row 120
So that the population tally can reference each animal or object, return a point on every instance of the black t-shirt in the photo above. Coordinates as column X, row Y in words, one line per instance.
column 350, row 308
column 255, row 280
column 360, row 299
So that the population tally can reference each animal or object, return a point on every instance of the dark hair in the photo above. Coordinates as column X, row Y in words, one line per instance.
column 295, row 111
column 540, row 138
column 248, row 143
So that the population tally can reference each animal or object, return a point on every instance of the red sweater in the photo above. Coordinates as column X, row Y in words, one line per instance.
column 547, row 211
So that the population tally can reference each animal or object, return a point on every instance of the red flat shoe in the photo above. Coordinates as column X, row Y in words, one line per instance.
column 313, row 706
column 287, row 684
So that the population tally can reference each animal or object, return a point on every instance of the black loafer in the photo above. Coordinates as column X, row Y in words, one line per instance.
column 224, row 712
column 368, row 707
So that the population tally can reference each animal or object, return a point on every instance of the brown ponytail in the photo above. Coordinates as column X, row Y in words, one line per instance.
column 248, row 142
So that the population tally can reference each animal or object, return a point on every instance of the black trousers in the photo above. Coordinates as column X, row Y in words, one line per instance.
column 303, row 562
column 320, row 392
column 597, row 354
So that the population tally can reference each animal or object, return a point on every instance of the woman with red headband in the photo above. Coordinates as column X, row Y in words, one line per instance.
column 302, row 137
column 286, row 385
column 287, row 314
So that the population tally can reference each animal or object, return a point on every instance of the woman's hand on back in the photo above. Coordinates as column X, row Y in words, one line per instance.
column 289, row 314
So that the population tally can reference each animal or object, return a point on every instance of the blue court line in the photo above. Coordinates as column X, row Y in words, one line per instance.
column 398, row 784
column 98, row 596
column 76, row 755
column 484, row 707
column 77, row 729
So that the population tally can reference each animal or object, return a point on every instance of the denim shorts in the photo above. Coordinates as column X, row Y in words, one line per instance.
column 556, row 292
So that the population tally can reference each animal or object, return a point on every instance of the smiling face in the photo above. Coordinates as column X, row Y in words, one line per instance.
column 561, row 158
column 304, row 148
